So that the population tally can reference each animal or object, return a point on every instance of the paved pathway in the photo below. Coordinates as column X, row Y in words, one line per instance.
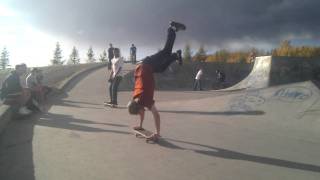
column 203, row 138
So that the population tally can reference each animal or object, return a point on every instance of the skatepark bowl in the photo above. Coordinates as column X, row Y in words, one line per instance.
column 267, row 132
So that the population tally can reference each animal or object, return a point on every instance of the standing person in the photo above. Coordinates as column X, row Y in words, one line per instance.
column 144, row 80
column 133, row 54
column 115, row 77
column 12, row 92
column 221, row 77
column 252, row 56
column 110, row 55
column 34, row 85
column 197, row 80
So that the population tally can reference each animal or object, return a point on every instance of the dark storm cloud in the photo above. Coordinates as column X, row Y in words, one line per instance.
column 211, row 22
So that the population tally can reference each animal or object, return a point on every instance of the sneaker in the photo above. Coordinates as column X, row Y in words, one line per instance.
column 179, row 57
column 177, row 26
column 24, row 111
column 110, row 104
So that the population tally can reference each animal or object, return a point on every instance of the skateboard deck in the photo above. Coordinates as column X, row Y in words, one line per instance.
column 145, row 134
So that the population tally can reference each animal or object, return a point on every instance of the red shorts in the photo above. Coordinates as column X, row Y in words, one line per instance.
column 144, row 85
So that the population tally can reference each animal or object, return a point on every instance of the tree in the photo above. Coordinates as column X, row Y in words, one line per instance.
column 103, row 56
column 57, row 55
column 187, row 54
column 90, row 55
column 74, row 56
column 4, row 59
column 285, row 49
column 222, row 55
column 201, row 55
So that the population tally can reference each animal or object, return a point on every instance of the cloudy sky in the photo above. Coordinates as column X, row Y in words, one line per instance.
column 29, row 29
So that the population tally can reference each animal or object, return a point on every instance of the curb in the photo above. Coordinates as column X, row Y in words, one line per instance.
column 6, row 111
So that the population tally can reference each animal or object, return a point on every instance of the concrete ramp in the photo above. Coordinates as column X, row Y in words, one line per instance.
column 270, row 71
column 259, row 76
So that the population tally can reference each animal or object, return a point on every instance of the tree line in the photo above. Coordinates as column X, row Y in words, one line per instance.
column 223, row 56
column 74, row 56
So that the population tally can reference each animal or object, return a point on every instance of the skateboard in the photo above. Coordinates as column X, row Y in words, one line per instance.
column 145, row 134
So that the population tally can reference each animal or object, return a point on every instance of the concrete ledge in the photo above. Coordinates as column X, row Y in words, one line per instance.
column 6, row 111
column 68, row 80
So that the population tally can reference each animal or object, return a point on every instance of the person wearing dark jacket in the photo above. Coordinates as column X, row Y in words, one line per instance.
column 12, row 92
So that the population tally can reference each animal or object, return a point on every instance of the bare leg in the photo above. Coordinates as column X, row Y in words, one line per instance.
column 156, row 117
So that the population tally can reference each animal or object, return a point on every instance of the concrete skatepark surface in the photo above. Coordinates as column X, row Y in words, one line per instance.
column 270, row 133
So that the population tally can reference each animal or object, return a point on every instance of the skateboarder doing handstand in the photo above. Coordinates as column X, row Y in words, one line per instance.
column 144, row 80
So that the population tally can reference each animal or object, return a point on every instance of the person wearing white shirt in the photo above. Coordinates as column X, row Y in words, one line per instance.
column 197, row 82
column 115, row 77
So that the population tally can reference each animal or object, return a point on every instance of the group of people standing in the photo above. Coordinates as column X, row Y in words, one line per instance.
column 199, row 77
column 115, row 65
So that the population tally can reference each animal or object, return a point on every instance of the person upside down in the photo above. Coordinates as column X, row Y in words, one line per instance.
column 144, row 81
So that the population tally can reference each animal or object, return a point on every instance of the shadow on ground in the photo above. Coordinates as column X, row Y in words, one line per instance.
column 228, row 154
column 16, row 152
column 69, row 122
column 227, row 113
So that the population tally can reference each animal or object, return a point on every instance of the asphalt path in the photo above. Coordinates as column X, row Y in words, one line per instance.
column 78, row 138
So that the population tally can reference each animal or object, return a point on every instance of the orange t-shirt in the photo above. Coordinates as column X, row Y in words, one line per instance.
column 144, row 85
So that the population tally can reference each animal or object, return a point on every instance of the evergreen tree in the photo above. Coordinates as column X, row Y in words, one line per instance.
column 90, row 55
column 187, row 54
column 103, row 56
column 4, row 59
column 201, row 55
column 74, row 56
column 57, row 56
